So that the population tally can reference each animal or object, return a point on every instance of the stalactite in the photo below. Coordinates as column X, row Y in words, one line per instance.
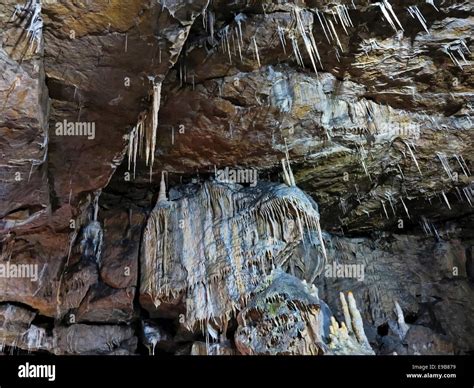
column 468, row 194
column 384, row 209
column 151, row 144
column 389, row 14
column 322, row 26
column 335, row 34
column 143, row 137
column 296, row 50
column 345, row 310
column 308, row 39
column 257, row 55
column 460, row 48
column 412, row 154
column 31, row 11
column 405, row 207
column 402, row 326
column 281, row 36
column 226, row 42
column 390, row 199
column 445, row 163
column 431, row 2
column 446, row 199
column 239, row 46
column 343, row 14
column 415, row 13
column 464, row 167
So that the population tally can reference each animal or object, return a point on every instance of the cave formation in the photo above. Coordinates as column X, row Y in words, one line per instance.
column 215, row 177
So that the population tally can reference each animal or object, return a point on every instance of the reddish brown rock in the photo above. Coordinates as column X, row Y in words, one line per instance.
column 104, row 304
column 119, row 262
column 100, row 340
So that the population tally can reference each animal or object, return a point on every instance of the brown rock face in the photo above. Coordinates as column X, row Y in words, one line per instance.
column 370, row 109
column 85, row 339
column 121, row 246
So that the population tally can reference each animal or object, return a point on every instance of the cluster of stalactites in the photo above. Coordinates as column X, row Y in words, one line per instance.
column 216, row 246
column 31, row 12
column 299, row 30
column 142, row 139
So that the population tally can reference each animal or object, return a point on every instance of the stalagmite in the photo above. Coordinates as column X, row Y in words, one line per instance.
column 357, row 324
column 162, row 194
column 345, row 310
column 402, row 326
column 286, row 176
